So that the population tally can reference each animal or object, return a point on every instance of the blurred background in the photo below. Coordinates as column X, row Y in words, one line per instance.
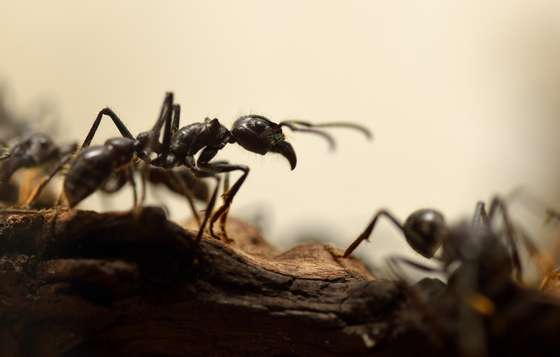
column 463, row 98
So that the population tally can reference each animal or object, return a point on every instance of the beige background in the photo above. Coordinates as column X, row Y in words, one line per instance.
column 463, row 96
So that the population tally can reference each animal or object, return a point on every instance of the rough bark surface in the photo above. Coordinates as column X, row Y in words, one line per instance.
column 80, row 283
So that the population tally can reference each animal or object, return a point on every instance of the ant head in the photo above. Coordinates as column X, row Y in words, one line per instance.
column 425, row 230
column 122, row 150
column 40, row 148
column 260, row 135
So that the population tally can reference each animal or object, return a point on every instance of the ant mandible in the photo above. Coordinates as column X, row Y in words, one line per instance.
column 178, row 147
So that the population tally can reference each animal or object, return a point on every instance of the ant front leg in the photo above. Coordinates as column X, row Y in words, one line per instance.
column 222, row 167
column 228, row 196
column 367, row 232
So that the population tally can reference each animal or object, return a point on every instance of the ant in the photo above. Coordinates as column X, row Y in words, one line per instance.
column 179, row 145
column 34, row 150
column 477, row 263
column 426, row 231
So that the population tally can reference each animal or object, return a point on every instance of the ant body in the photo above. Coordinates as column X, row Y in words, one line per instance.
column 477, row 263
column 94, row 164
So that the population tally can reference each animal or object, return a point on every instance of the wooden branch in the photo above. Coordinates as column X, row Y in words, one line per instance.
column 80, row 283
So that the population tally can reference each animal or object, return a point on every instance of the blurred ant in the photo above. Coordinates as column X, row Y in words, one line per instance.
column 426, row 231
column 478, row 264
column 179, row 145
column 32, row 151
column 28, row 150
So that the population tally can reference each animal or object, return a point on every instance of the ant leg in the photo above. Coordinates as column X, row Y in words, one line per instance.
column 130, row 174
column 480, row 216
column 498, row 204
column 205, row 172
column 181, row 187
column 171, row 126
column 223, row 217
column 395, row 263
column 116, row 120
column 229, row 195
column 29, row 201
column 163, row 114
column 176, row 118
column 144, row 172
column 209, row 209
column 169, row 117
column 367, row 232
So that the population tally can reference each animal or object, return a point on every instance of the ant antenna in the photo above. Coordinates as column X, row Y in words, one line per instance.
column 304, row 126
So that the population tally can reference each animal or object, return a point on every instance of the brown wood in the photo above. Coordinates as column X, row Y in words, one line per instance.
column 80, row 283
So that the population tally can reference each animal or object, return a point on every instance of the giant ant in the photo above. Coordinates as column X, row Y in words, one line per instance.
column 94, row 164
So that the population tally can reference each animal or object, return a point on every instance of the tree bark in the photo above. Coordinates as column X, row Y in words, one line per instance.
column 80, row 283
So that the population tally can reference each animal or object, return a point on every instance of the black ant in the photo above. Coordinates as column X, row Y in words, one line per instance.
column 179, row 145
column 478, row 264
column 34, row 150
column 426, row 231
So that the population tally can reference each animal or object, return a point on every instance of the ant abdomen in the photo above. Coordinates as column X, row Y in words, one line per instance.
column 89, row 171
column 94, row 165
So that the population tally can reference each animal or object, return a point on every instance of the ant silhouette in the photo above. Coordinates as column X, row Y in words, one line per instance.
column 178, row 147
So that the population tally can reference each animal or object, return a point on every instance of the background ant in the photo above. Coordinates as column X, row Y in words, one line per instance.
column 178, row 147
column 426, row 231
column 28, row 151
column 478, row 264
